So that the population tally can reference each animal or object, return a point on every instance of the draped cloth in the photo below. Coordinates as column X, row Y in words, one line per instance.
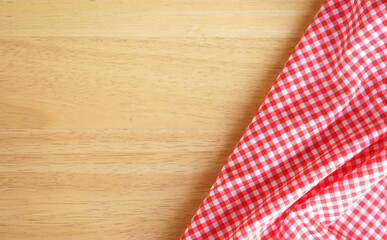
column 312, row 163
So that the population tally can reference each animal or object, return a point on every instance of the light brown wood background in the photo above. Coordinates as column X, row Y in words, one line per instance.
column 116, row 116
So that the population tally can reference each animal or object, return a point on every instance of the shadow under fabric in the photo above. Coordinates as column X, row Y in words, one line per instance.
column 312, row 163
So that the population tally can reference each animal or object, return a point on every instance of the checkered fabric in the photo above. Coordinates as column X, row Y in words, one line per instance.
column 312, row 163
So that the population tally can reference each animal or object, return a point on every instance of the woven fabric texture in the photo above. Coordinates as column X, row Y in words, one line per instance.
column 312, row 163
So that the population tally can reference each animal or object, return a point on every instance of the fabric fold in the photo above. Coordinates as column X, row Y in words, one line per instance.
column 315, row 152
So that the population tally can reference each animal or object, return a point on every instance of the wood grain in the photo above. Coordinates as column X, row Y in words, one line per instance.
column 116, row 116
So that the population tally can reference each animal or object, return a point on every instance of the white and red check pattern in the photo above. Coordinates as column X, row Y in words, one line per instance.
column 312, row 164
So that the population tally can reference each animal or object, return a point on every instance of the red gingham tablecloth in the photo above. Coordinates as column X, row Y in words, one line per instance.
column 312, row 163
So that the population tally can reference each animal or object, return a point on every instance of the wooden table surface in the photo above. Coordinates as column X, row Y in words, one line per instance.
column 116, row 116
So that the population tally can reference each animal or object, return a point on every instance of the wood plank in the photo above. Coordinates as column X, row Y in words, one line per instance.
column 136, row 83
column 174, row 18
column 122, row 184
